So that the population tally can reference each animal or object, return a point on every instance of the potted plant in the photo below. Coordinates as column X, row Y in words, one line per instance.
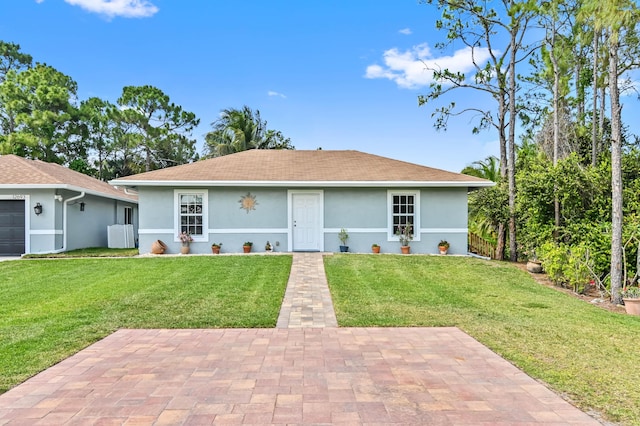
column 375, row 248
column 215, row 248
column 631, row 297
column 246, row 247
column 443, row 246
column 343, row 237
column 185, row 239
column 405, row 235
column 268, row 247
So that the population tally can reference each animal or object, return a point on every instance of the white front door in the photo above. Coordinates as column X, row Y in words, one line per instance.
column 306, row 221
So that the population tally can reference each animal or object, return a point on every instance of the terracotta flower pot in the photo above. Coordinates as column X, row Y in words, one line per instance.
column 405, row 249
column 632, row 306
column 443, row 249
column 375, row 249
column 246, row 249
column 215, row 250
column 158, row 247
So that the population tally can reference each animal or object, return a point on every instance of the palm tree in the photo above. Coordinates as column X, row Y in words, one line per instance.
column 481, row 223
column 235, row 131
column 489, row 168
column 240, row 130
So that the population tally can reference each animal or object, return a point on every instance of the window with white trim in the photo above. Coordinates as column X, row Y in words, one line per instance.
column 191, row 214
column 404, row 211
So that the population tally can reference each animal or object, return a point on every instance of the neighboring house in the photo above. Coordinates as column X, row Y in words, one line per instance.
column 299, row 201
column 47, row 208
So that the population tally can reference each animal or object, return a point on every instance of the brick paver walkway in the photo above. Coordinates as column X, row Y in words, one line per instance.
column 293, row 375
column 307, row 301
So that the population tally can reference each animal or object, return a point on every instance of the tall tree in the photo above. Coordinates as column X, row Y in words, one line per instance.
column 556, row 18
column 98, row 131
column 240, row 130
column 594, row 88
column 493, row 30
column 164, row 127
column 36, row 110
column 616, row 18
column 12, row 59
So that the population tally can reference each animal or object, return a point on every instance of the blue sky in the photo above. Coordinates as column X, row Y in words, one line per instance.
column 331, row 74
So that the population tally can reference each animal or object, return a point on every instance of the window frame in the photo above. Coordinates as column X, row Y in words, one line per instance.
column 128, row 216
column 177, row 224
column 416, row 213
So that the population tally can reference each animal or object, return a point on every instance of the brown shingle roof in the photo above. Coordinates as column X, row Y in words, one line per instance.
column 20, row 172
column 292, row 166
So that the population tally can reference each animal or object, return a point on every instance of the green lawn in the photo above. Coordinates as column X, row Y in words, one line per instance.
column 587, row 353
column 50, row 309
column 86, row 252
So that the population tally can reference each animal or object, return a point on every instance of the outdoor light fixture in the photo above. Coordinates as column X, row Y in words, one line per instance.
column 38, row 209
column 81, row 207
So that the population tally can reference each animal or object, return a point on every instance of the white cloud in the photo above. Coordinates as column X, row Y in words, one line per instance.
column 414, row 68
column 113, row 8
column 272, row 93
column 39, row 1
column 405, row 31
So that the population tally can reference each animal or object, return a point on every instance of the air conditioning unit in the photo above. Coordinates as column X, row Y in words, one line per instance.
column 120, row 236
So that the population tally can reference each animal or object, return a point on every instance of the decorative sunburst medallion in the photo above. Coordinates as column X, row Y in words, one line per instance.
column 248, row 202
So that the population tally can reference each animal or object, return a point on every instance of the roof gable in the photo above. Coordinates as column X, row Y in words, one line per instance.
column 20, row 172
column 302, row 167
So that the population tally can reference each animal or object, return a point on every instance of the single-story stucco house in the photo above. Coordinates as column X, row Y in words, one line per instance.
column 300, row 200
column 48, row 208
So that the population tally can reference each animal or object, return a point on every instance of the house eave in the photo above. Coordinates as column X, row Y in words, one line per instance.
column 302, row 184
column 25, row 187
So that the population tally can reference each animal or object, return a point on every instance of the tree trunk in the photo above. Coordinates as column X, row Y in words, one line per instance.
column 616, row 174
column 637, row 275
column 500, row 246
column 603, row 93
column 502, row 234
column 594, row 128
column 511, row 169
column 556, row 129
column 601, row 114
column 580, row 95
column 147, row 160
